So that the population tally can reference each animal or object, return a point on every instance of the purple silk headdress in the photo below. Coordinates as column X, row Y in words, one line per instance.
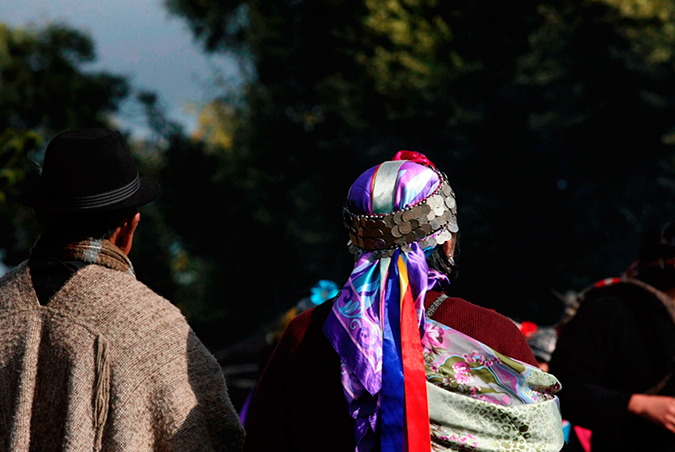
column 396, row 213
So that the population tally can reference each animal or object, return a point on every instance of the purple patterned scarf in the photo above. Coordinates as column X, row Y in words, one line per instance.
column 364, row 325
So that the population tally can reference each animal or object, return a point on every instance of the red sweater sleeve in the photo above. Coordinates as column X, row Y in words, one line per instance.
column 485, row 325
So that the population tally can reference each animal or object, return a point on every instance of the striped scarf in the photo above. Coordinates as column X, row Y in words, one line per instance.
column 90, row 251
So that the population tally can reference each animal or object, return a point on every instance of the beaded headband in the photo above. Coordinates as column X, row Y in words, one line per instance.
column 431, row 222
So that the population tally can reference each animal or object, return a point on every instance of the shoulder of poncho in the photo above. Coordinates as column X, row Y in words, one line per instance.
column 15, row 288
column 124, row 287
column 118, row 306
column 12, row 272
column 10, row 278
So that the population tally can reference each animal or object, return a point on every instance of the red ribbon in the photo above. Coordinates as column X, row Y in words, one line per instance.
column 414, row 156
column 416, row 402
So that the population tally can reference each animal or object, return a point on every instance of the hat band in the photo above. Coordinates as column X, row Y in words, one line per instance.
column 106, row 199
column 417, row 223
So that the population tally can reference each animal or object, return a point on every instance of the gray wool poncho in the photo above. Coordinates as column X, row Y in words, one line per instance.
column 106, row 365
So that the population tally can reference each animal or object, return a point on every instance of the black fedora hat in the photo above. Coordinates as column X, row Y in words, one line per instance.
column 89, row 170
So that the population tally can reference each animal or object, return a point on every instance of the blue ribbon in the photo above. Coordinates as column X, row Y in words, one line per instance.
column 393, row 384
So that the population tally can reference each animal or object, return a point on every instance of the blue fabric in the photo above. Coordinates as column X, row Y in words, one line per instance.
column 393, row 384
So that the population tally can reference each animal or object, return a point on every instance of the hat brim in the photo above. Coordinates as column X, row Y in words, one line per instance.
column 147, row 192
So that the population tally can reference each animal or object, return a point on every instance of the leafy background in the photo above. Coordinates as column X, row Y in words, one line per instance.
column 554, row 121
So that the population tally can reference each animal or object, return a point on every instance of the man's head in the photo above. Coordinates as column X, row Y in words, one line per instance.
column 401, row 202
column 117, row 226
column 90, row 186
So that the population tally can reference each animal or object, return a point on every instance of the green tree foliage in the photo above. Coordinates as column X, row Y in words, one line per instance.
column 43, row 90
column 43, row 85
column 553, row 120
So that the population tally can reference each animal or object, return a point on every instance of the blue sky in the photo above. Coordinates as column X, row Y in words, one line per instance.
column 138, row 39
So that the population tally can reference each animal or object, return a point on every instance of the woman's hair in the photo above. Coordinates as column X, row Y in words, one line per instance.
column 439, row 261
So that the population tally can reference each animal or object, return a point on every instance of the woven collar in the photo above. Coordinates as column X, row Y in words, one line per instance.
column 90, row 251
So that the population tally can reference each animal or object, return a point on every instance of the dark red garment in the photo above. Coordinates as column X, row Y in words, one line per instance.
column 299, row 404
column 485, row 325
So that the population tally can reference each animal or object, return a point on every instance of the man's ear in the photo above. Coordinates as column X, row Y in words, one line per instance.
column 125, row 233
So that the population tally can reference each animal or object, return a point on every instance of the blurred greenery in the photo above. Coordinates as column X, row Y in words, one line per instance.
column 43, row 90
column 552, row 119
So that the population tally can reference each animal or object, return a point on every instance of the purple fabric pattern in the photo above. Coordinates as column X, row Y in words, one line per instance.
column 357, row 323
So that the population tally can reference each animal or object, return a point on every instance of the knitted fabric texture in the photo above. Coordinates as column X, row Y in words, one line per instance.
column 107, row 365
column 90, row 251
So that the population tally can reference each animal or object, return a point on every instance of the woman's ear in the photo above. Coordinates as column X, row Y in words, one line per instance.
column 449, row 246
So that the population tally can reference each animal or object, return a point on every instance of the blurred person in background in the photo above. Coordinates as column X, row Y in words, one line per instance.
column 615, row 357
column 321, row 292
column 91, row 358
column 393, row 363
column 542, row 340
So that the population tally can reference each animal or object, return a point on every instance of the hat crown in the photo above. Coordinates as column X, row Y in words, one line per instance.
column 90, row 170
column 83, row 163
